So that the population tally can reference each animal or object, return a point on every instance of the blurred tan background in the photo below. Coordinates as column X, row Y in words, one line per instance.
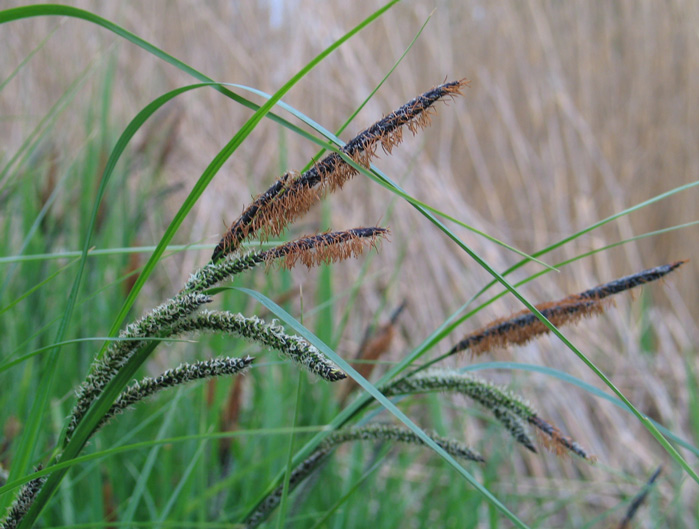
column 576, row 111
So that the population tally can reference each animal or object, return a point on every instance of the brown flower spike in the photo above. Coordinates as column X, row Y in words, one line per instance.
column 524, row 326
column 293, row 194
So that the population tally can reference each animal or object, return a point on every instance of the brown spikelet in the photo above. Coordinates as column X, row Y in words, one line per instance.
column 110, row 508
column 327, row 247
column 293, row 194
column 373, row 347
column 552, row 438
column 524, row 326
column 229, row 419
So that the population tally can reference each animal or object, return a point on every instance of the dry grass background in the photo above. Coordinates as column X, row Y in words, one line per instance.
column 576, row 110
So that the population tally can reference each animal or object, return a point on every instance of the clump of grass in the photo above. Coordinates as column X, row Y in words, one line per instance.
column 270, row 214
column 285, row 201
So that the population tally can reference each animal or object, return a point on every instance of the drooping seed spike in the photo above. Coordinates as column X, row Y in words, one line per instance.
column 270, row 335
column 372, row 432
column 182, row 374
column 509, row 409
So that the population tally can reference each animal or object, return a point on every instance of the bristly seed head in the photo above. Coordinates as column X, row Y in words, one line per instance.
column 525, row 326
column 507, row 407
column 148, row 386
column 325, row 248
column 270, row 335
column 293, row 194
column 311, row 251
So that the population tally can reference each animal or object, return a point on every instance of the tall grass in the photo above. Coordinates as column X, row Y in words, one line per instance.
column 273, row 422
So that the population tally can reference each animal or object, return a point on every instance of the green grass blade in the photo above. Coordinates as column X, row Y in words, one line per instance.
column 177, row 491
column 7, row 364
column 38, row 286
column 32, row 140
column 289, row 456
column 596, row 225
column 29, row 56
column 366, row 100
column 148, row 465
column 104, row 251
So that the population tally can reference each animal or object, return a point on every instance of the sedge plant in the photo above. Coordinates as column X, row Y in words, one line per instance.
column 111, row 387
column 269, row 215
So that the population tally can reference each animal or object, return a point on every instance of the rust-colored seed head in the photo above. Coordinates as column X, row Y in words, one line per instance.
column 293, row 194
column 525, row 326
column 325, row 247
